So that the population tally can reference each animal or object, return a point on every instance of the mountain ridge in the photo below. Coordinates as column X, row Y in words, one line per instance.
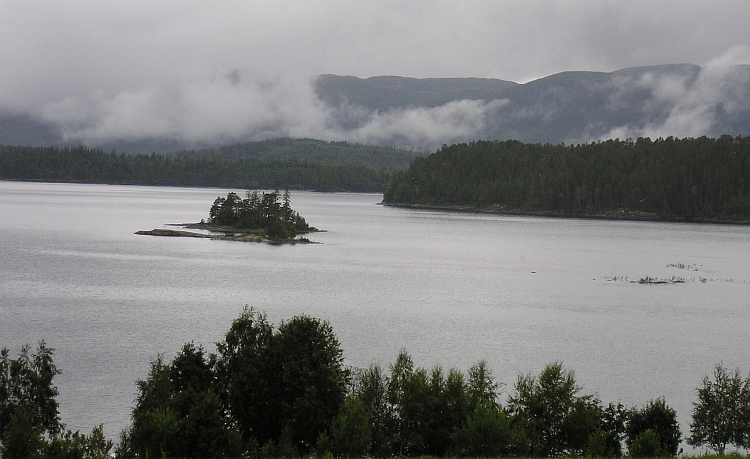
column 680, row 100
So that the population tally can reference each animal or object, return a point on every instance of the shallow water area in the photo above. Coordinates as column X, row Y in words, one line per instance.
column 449, row 287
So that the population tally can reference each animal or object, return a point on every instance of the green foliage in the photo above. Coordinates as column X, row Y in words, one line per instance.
column 30, row 424
column 23, row 435
column 285, row 389
column 482, row 389
column 414, row 412
column 541, row 405
column 290, row 381
column 722, row 414
column 557, row 421
column 607, row 440
column 669, row 178
column 178, row 413
column 28, row 408
column 75, row 445
column 489, row 432
column 309, row 379
column 244, row 376
column 402, row 386
column 371, row 389
column 351, row 436
column 661, row 422
column 647, row 444
column 259, row 211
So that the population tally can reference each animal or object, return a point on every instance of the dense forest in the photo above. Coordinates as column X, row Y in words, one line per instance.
column 284, row 391
column 374, row 156
column 676, row 179
column 88, row 165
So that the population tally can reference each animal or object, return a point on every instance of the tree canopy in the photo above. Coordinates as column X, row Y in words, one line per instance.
column 30, row 425
column 259, row 211
column 284, row 391
column 91, row 165
column 670, row 178
column 722, row 413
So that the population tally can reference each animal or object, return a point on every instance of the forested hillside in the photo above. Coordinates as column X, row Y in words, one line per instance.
column 374, row 156
column 701, row 179
column 83, row 164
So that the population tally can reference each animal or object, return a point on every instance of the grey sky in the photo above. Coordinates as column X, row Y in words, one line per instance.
column 163, row 68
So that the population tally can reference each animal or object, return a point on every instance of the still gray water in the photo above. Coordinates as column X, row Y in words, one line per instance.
column 450, row 288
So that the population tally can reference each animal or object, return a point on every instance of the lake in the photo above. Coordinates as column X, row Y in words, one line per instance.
column 451, row 288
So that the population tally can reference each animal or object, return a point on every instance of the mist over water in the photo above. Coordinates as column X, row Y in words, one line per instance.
column 450, row 288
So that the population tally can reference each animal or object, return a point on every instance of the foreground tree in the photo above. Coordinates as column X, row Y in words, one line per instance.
column 28, row 408
column 350, row 433
column 283, row 387
column 489, row 432
column 557, row 421
column 541, row 405
column 75, row 445
column 309, row 380
column 30, row 424
column 242, row 369
column 722, row 414
column 178, row 413
column 653, row 430
column 370, row 387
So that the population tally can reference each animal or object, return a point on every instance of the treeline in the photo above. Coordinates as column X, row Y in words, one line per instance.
column 284, row 392
column 373, row 156
column 701, row 178
column 88, row 165
column 259, row 211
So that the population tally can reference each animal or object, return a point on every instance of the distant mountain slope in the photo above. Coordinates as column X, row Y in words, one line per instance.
column 389, row 92
column 681, row 100
column 21, row 129
column 581, row 106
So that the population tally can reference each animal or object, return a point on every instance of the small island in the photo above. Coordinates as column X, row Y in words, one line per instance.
column 260, row 217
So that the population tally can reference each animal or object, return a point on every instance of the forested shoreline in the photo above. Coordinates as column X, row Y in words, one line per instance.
column 700, row 179
column 91, row 165
column 283, row 391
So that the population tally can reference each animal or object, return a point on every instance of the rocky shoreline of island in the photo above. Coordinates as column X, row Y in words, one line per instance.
column 224, row 233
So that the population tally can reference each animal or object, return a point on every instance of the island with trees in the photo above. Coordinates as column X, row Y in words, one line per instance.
column 284, row 391
column 691, row 179
column 259, row 217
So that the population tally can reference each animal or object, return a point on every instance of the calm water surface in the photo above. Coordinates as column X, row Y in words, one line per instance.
column 450, row 288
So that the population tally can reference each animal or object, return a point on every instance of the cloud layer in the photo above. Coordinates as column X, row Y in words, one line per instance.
column 206, row 72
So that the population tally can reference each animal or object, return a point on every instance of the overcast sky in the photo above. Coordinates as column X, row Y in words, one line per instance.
column 134, row 68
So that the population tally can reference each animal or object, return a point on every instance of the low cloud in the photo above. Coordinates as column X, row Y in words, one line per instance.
column 238, row 105
column 694, row 108
column 427, row 127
